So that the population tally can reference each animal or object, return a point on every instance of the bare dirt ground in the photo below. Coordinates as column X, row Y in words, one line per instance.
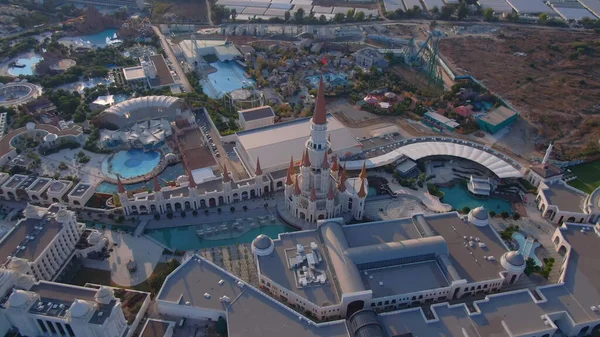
column 178, row 11
column 555, row 84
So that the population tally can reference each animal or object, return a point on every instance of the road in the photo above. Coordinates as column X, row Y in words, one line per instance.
column 167, row 47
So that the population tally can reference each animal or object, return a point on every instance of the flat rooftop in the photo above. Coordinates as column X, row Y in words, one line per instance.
column 196, row 153
column 80, row 190
column 276, row 143
column 275, row 267
column 134, row 73
column 415, row 277
column 32, row 247
column 374, row 233
column 15, row 181
column 498, row 115
column 469, row 262
column 163, row 74
column 39, row 184
column 565, row 198
column 154, row 328
column 257, row 113
column 192, row 280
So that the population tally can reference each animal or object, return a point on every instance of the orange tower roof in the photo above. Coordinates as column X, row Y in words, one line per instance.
column 319, row 115
column 325, row 164
column 226, row 177
column 306, row 159
column 296, row 187
column 363, row 172
column 120, row 186
column 156, row 184
column 330, row 193
column 336, row 166
column 361, row 193
column 288, row 179
column 313, row 193
column 259, row 171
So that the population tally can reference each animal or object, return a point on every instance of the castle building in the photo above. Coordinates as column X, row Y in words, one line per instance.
column 321, row 189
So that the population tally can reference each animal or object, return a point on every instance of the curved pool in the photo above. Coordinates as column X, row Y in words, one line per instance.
column 527, row 247
column 130, row 164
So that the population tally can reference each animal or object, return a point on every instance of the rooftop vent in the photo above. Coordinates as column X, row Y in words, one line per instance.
column 188, row 303
column 491, row 258
column 206, row 295
column 221, row 282
column 240, row 284
column 225, row 299
column 594, row 308
column 100, row 314
column 381, row 284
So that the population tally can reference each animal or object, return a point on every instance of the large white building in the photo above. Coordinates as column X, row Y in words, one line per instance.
column 322, row 190
column 256, row 117
column 43, row 243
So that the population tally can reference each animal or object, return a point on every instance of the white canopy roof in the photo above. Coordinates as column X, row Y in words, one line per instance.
column 417, row 148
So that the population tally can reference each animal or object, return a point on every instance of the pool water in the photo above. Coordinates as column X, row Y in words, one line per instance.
column 29, row 63
column 131, row 163
column 98, row 40
column 371, row 192
column 120, row 98
column 334, row 79
column 169, row 174
column 185, row 238
column 527, row 248
column 458, row 197
column 228, row 77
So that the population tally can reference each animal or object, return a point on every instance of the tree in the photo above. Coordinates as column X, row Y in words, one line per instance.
column 219, row 210
column 339, row 17
column 360, row 16
column 170, row 215
column 492, row 214
column 350, row 14
column 516, row 216
column 435, row 10
column 156, row 216
column 463, row 10
column 447, row 11
column 488, row 14
column 504, row 215
column 232, row 209
column 322, row 19
column 299, row 15
column 245, row 208
column 183, row 214
column 221, row 327
column 466, row 209
column 287, row 16
column 543, row 18
column 206, row 212
column 195, row 213
column 432, row 24
column 233, row 14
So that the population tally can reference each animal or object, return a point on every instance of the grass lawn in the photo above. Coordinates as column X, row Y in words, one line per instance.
column 588, row 176
column 91, row 275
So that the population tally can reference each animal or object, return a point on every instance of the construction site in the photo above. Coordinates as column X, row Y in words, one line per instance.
column 551, row 76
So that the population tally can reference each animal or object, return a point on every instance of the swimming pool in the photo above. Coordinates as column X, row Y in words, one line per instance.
column 333, row 79
column 28, row 62
column 527, row 247
column 169, row 174
column 185, row 238
column 228, row 77
column 458, row 197
column 131, row 163
column 98, row 40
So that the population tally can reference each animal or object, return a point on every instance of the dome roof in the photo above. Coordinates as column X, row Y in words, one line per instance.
column 182, row 179
column 18, row 298
column 24, row 281
column 30, row 126
column 94, row 237
column 170, row 156
column 30, row 211
column 57, row 186
column 515, row 258
column 262, row 242
column 480, row 213
column 17, row 264
column 62, row 215
column 79, row 308
column 104, row 295
column 50, row 137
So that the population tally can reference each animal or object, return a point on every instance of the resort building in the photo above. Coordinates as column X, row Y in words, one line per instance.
column 348, row 277
column 479, row 187
column 153, row 72
column 406, row 167
column 560, row 203
column 80, row 194
column 55, row 309
column 194, row 50
column 370, row 57
column 545, row 172
column 497, row 119
column 256, row 117
column 43, row 243
column 38, row 190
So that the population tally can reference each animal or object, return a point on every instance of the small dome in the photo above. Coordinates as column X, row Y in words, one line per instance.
column 79, row 308
column 94, row 237
column 50, row 137
column 24, row 281
column 18, row 298
column 57, row 186
column 182, row 179
column 170, row 157
column 262, row 242
column 62, row 215
column 30, row 211
column 480, row 213
column 17, row 264
column 30, row 126
column 104, row 295
column 515, row 258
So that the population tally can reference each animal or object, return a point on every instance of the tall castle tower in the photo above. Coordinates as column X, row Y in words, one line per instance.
column 319, row 191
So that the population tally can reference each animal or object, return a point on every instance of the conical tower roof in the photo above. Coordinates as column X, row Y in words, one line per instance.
column 288, row 179
column 259, row 171
column 156, row 184
column 191, row 182
column 296, row 186
column 226, row 177
column 306, row 159
column 361, row 192
column 330, row 193
column 320, row 115
column 325, row 164
column 342, row 184
column 363, row 172
column 313, row 193
column 336, row 165
column 120, row 186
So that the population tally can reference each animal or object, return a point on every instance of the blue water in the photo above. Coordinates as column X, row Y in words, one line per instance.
column 185, row 238
column 169, row 174
column 371, row 192
column 29, row 63
column 521, row 241
column 228, row 77
column 458, row 197
column 120, row 98
column 335, row 79
column 131, row 163
column 98, row 40
column 91, row 83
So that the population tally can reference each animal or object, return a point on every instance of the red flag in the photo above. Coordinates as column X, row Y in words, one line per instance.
column 324, row 61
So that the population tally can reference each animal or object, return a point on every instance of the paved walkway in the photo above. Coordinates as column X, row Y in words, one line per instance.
column 433, row 203
column 167, row 47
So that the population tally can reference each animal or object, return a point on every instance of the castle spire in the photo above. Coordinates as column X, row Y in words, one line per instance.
column 313, row 193
column 342, row 184
column 330, row 193
column 226, row 177
column 156, row 184
column 361, row 193
column 306, row 159
column 296, row 187
column 259, row 171
column 288, row 180
column 120, row 186
column 363, row 172
column 319, row 115
column 336, row 166
column 325, row 164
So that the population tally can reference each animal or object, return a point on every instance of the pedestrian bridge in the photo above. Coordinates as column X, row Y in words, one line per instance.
column 418, row 148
